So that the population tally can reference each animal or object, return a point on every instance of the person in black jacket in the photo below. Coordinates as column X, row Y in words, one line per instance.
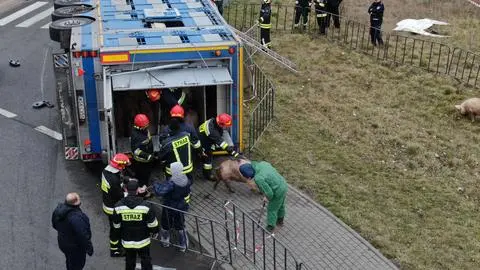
column 320, row 11
column 333, row 9
column 112, row 192
column 211, row 134
column 265, row 23
column 142, row 150
column 302, row 8
column 176, row 193
column 376, row 10
column 135, row 221
column 74, row 234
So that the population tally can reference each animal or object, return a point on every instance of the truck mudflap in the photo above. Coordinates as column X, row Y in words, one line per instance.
column 61, row 63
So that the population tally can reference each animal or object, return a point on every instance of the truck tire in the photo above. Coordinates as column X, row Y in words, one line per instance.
column 71, row 11
column 60, row 30
column 67, row 3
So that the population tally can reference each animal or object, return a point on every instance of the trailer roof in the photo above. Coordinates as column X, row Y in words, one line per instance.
column 148, row 24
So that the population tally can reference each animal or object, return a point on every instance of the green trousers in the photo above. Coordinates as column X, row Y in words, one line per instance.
column 276, row 206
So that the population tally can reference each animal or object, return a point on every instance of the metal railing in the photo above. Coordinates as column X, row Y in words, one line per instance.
column 432, row 56
column 206, row 236
column 255, row 243
column 263, row 111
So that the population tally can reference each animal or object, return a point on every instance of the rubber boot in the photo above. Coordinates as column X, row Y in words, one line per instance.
column 183, row 240
column 207, row 174
column 280, row 221
column 165, row 238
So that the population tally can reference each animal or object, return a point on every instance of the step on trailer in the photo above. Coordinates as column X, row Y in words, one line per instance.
column 115, row 50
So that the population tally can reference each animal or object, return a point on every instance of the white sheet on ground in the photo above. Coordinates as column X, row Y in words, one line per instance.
column 418, row 26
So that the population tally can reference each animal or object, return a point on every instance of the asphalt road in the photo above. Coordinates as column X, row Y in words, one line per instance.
column 35, row 176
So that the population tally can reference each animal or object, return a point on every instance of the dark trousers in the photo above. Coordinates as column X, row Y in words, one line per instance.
column 171, row 218
column 265, row 37
column 321, row 24
column 131, row 258
column 301, row 12
column 375, row 32
column 335, row 14
column 75, row 259
column 114, row 241
column 142, row 170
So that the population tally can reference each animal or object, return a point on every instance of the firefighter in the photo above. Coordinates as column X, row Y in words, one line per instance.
column 272, row 185
column 320, row 11
column 152, row 108
column 265, row 23
column 142, row 150
column 177, row 147
column 135, row 221
column 112, row 190
column 176, row 193
column 333, row 7
column 376, row 10
column 211, row 135
column 302, row 8
column 178, row 113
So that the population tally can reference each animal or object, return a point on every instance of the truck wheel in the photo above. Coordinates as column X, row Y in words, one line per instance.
column 60, row 30
column 67, row 3
column 68, row 12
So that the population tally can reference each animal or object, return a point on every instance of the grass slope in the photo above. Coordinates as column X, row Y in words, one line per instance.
column 382, row 148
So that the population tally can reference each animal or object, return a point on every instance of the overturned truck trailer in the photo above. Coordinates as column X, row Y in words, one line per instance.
column 113, row 51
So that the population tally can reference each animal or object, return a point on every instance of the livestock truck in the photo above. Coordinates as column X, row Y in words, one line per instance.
column 112, row 51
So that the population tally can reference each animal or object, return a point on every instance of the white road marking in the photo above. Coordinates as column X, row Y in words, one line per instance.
column 21, row 12
column 7, row 113
column 49, row 132
column 46, row 26
column 36, row 18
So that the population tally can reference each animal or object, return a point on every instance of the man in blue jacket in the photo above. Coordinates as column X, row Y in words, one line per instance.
column 74, row 234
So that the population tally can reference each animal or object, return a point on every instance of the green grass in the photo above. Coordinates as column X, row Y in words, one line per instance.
column 382, row 148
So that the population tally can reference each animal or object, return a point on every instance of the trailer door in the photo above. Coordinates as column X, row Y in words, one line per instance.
column 108, row 127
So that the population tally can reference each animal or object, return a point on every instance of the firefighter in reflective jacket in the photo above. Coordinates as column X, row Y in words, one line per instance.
column 176, row 194
column 168, row 99
column 302, row 8
column 178, row 113
column 112, row 190
column 142, row 149
column 320, row 11
column 177, row 148
column 211, row 135
column 135, row 221
column 265, row 23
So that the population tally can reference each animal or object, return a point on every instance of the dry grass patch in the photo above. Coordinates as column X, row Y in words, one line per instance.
column 382, row 148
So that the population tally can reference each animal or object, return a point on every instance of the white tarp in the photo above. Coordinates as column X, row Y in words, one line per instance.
column 418, row 26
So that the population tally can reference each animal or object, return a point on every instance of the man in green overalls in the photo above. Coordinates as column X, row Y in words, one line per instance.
column 272, row 185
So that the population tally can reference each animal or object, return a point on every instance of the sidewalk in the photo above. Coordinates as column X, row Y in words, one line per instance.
column 311, row 233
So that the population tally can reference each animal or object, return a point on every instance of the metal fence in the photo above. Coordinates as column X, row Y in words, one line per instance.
column 238, row 240
column 398, row 48
column 256, row 244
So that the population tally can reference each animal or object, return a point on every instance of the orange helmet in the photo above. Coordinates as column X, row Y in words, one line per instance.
column 120, row 161
column 224, row 120
column 177, row 111
column 141, row 121
column 153, row 94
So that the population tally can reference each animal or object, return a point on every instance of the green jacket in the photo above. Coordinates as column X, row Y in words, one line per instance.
column 268, row 180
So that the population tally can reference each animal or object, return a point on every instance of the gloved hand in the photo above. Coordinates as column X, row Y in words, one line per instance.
column 154, row 236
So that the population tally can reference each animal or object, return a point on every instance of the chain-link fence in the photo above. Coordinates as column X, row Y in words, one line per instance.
column 398, row 48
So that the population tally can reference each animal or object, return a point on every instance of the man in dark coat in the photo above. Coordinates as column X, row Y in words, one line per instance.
column 333, row 9
column 74, row 234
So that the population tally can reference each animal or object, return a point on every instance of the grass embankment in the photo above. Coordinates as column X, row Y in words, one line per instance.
column 382, row 148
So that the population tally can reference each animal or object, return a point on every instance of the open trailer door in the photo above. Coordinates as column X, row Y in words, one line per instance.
column 108, row 123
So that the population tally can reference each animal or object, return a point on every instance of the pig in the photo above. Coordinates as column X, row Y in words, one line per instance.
column 229, row 170
column 470, row 107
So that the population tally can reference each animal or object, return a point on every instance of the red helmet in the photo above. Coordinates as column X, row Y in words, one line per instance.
column 120, row 161
column 153, row 94
column 224, row 120
column 141, row 121
column 177, row 111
